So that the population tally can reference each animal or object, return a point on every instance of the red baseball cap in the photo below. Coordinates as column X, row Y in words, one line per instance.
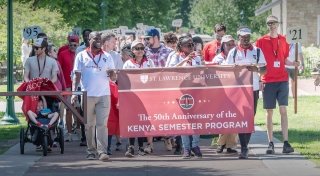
column 73, row 38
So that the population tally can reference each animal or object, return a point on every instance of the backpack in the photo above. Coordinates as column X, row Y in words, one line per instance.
column 235, row 53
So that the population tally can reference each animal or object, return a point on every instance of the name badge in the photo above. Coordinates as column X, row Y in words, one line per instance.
column 96, row 70
column 276, row 64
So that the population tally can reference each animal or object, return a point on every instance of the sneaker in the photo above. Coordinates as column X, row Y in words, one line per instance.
column 109, row 151
column 220, row 148
column 141, row 151
column 148, row 149
column 270, row 149
column 118, row 146
column 91, row 156
column 68, row 137
column 244, row 154
column 130, row 152
column 38, row 148
column 83, row 143
column 287, row 148
column 231, row 150
column 168, row 144
column 177, row 151
column 186, row 154
column 197, row 152
column 103, row 157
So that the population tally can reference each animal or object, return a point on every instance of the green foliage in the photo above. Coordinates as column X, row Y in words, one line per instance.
column 311, row 57
column 90, row 13
column 233, row 13
column 51, row 22
column 9, row 134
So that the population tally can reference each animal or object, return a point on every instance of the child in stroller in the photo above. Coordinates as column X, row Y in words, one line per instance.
column 43, row 123
column 43, row 112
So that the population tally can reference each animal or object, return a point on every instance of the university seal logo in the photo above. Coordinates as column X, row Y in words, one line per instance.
column 186, row 101
column 144, row 78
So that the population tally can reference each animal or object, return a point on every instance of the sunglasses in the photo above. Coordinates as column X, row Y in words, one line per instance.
column 73, row 45
column 272, row 23
column 139, row 48
column 36, row 48
column 147, row 39
column 172, row 42
column 189, row 45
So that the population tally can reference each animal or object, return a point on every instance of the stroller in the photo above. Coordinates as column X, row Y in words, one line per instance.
column 41, row 135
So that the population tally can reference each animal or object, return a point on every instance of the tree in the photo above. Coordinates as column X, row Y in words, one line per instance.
column 90, row 13
column 50, row 22
column 206, row 13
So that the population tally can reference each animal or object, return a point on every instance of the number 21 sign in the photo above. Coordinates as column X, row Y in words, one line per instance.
column 296, row 34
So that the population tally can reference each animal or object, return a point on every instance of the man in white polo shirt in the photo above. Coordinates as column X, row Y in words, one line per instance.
column 90, row 68
column 252, row 57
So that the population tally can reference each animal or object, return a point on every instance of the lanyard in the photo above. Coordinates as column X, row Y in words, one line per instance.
column 275, row 52
column 141, row 62
column 44, row 65
column 95, row 63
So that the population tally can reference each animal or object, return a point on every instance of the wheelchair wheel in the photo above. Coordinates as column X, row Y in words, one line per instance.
column 22, row 141
column 45, row 145
column 61, row 140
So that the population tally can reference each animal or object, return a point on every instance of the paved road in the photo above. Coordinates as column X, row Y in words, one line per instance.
column 73, row 162
column 162, row 162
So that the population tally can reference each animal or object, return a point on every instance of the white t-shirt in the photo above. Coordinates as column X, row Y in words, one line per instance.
column 246, row 58
column 118, row 63
column 174, row 58
column 145, row 63
column 292, row 53
column 94, row 77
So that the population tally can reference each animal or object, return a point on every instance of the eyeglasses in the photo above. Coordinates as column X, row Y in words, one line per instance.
column 36, row 48
column 272, row 23
column 189, row 45
column 73, row 45
column 139, row 48
column 147, row 39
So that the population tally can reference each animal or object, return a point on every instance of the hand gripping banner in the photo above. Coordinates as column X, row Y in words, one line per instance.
column 183, row 101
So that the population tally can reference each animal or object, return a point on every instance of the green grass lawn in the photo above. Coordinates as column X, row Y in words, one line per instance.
column 3, row 88
column 304, row 127
column 9, row 134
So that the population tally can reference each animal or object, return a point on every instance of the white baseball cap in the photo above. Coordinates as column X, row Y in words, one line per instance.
column 40, row 42
column 226, row 38
column 244, row 31
column 272, row 18
column 135, row 43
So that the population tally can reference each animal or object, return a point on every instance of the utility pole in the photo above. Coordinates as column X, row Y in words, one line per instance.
column 10, row 116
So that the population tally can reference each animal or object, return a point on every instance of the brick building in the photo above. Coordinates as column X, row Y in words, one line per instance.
column 292, row 13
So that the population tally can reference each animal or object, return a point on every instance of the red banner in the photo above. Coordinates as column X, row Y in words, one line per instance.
column 193, row 100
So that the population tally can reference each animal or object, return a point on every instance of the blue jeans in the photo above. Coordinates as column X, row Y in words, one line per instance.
column 186, row 141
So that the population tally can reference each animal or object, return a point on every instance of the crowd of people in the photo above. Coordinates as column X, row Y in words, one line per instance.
column 90, row 66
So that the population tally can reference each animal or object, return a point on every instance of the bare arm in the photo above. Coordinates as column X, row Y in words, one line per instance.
column 54, row 76
column 26, row 75
column 76, row 81
column 75, row 84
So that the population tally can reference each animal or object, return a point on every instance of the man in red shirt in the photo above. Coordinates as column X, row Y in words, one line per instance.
column 275, row 80
column 212, row 48
column 66, row 60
